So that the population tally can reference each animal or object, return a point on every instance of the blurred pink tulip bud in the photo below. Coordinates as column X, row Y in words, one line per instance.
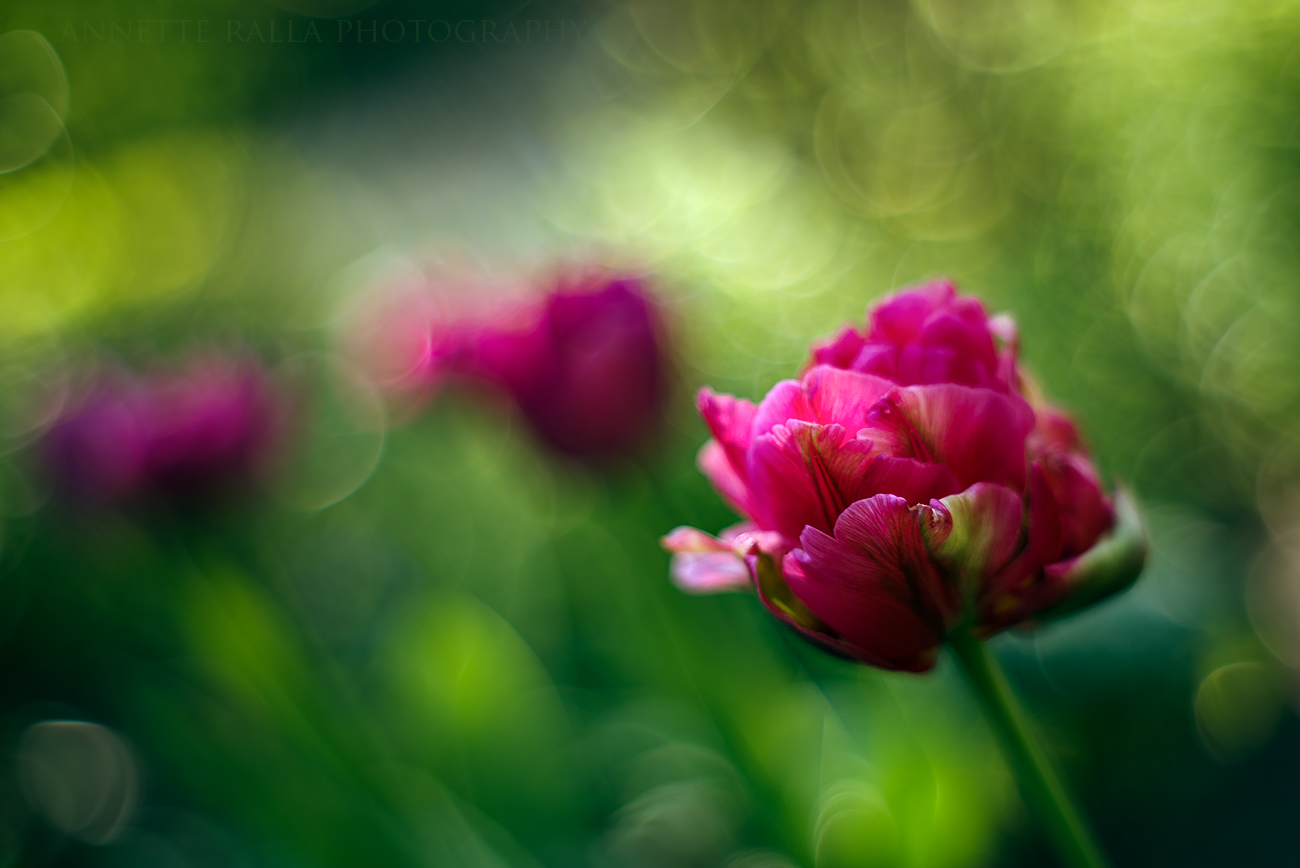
column 585, row 367
column 584, row 363
column 183, row 436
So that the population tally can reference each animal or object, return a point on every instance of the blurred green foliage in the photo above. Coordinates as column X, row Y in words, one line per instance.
column 433, row 643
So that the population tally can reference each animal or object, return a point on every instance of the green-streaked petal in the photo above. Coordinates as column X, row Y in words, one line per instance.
column 973, row 534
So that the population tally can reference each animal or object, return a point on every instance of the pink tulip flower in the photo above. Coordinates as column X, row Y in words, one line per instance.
column 905, row 485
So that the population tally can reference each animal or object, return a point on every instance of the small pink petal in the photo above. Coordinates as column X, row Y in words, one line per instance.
column 689, row 539
column 709, row 572
column 899, row 317
column 839, row 351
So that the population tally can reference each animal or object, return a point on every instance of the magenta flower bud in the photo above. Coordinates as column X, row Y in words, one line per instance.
column 928, row 335
column 585, row 365
column 180, row 437
column 903, row 486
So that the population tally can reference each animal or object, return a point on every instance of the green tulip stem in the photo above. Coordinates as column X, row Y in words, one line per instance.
column 1039, row 785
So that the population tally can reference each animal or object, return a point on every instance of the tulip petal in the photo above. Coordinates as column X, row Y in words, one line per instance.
column 873, row 583
column 898, row 318
column 706, row 564
column 717, row 468
column 839, row 351
column 709, row 572
column 1003, row 595
column 973, row 535
column 824, row 396
column 730, row 420
column 878, row 359
column 978, row 434
column 1108, row 567
column 837, row 396
column 774, row 591
column 951, row 348
column 1044, row 517
column 1054, row 430
column 800, row 471
column 686, row 539
column 742, row 540
column 969, row 310
column 1084, row 511
column 784, row 401
column 806, row 475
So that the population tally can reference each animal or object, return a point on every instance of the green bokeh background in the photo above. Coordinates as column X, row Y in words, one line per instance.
column 434, row 643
